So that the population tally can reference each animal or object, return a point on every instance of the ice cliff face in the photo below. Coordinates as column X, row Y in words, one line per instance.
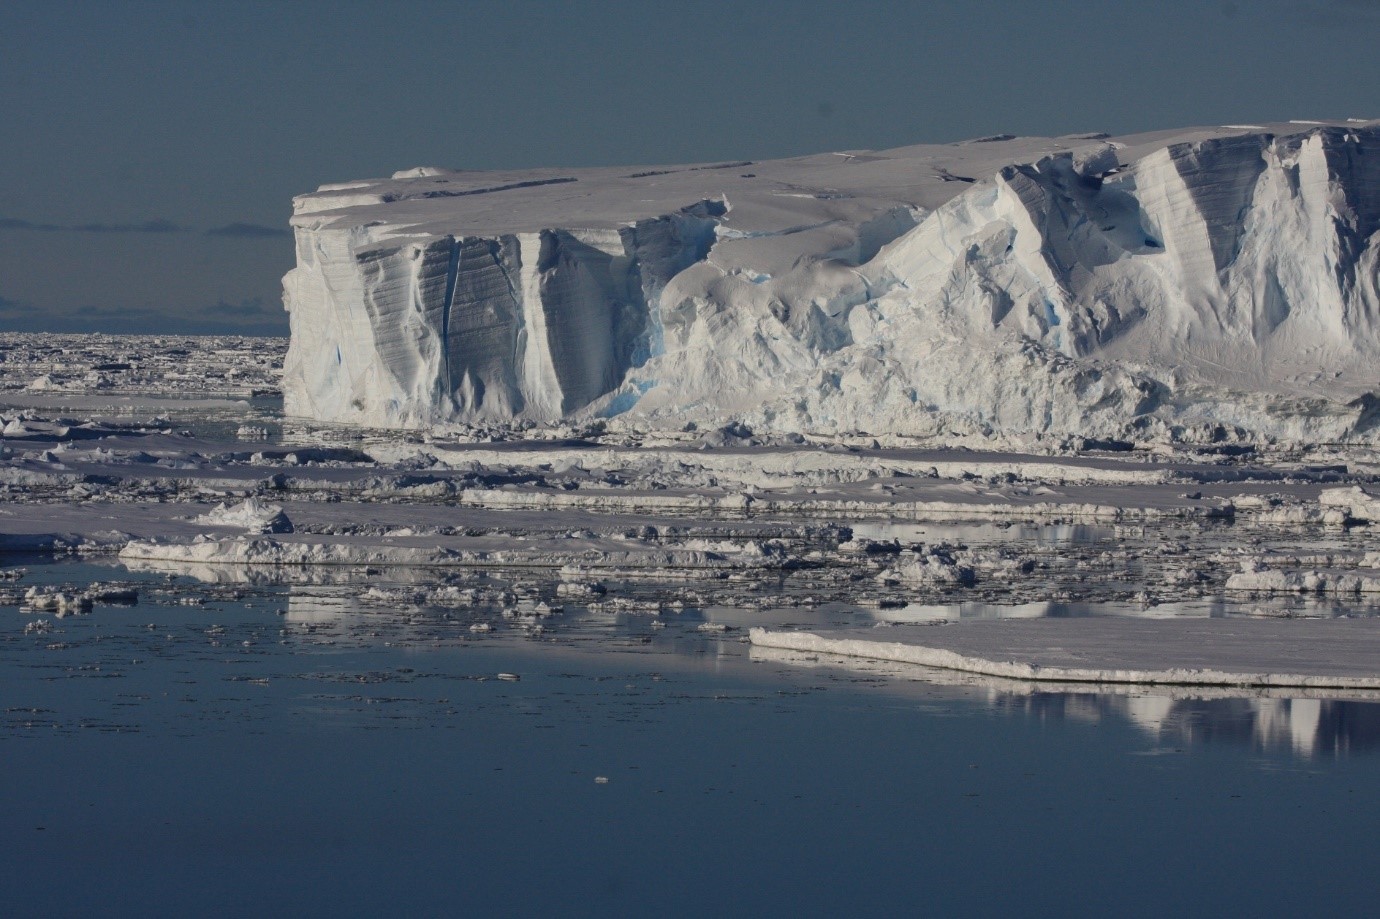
column 399, row 332
column 1209, row 281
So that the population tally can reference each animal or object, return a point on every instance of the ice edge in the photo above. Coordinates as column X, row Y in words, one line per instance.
column 949, row 660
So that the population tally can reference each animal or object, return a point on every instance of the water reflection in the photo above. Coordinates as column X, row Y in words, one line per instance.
column 1291, row 607
column 1049, row 534
column 1310, row 724
column 419, row 609
column 276, row 575
column 1307, row 723
column 1310, row 727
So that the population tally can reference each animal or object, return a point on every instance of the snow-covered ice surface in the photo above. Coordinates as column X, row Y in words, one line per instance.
column 1206, row 284
column 1337, row 654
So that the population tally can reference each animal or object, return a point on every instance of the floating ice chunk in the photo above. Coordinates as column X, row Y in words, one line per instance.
column 112, row 593
column 1270, row 580
column 255, row 516
column 930, row 566
column 62, row 603
column 1357, row 503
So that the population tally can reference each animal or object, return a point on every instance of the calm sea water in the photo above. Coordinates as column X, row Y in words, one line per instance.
column 291, row 751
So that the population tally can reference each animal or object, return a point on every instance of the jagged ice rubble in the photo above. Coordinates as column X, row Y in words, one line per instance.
column 175, row 458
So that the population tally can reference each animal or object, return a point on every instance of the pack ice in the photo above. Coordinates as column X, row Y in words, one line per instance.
column 1195, row 284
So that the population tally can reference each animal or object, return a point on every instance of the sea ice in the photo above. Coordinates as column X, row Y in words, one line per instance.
column 727, row 525
column 1336, row 654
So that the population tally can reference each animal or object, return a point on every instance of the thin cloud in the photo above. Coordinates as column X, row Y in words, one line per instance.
column 249, row 317
column 157, row 225
column 14, row 223
column 91, row 311
column 249, row 231
column 250, row 308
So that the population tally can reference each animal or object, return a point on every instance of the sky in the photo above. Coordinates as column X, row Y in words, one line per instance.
column 149, row 151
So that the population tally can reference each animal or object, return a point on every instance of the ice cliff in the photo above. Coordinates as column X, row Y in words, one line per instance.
column 1206, row 283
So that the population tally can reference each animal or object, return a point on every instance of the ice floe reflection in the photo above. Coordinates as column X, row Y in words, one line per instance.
column 772, row 603
column 1309, row 727
column 190, row 616
column 1290, row 607
column 1049, row 534
column 1308, row 724
column 547, row 617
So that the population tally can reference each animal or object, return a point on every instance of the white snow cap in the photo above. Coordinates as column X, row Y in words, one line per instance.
column 1220, row 281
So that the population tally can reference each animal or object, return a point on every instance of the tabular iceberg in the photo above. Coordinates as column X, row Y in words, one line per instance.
column 1205, row 282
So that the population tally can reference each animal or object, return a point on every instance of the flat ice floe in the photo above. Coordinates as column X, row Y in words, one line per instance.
column 1336, row 654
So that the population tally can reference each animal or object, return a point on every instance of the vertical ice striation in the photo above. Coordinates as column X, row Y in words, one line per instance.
column 1237, row 263
column 395, row 330
column 483, row 312
column 1212, row 277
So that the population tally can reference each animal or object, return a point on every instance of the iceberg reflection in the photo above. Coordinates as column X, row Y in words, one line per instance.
column 1311, row 724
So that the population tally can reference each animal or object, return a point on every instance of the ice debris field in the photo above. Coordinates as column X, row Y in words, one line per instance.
column 855, row 403
column 172, row 457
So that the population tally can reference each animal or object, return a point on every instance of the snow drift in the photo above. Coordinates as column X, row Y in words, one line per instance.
column 1202, row 284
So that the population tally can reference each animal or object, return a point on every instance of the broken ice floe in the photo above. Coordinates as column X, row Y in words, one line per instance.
column 77, row 602
column 252, row 514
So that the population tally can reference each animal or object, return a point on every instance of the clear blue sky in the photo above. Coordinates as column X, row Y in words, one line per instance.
column 149, row 150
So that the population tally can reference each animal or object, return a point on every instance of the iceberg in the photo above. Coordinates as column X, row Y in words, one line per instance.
column 1200, row 284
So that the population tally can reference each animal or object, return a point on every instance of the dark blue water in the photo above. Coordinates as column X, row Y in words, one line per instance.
column 277, row 754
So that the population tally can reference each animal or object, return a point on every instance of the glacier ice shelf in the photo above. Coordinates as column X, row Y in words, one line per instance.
column 1201, row 284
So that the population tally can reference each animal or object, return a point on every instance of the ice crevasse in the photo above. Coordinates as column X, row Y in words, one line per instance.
column 1215, row 281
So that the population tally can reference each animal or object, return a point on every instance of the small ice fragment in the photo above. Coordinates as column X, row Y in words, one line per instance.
column 601, row 780
column 510, row 677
